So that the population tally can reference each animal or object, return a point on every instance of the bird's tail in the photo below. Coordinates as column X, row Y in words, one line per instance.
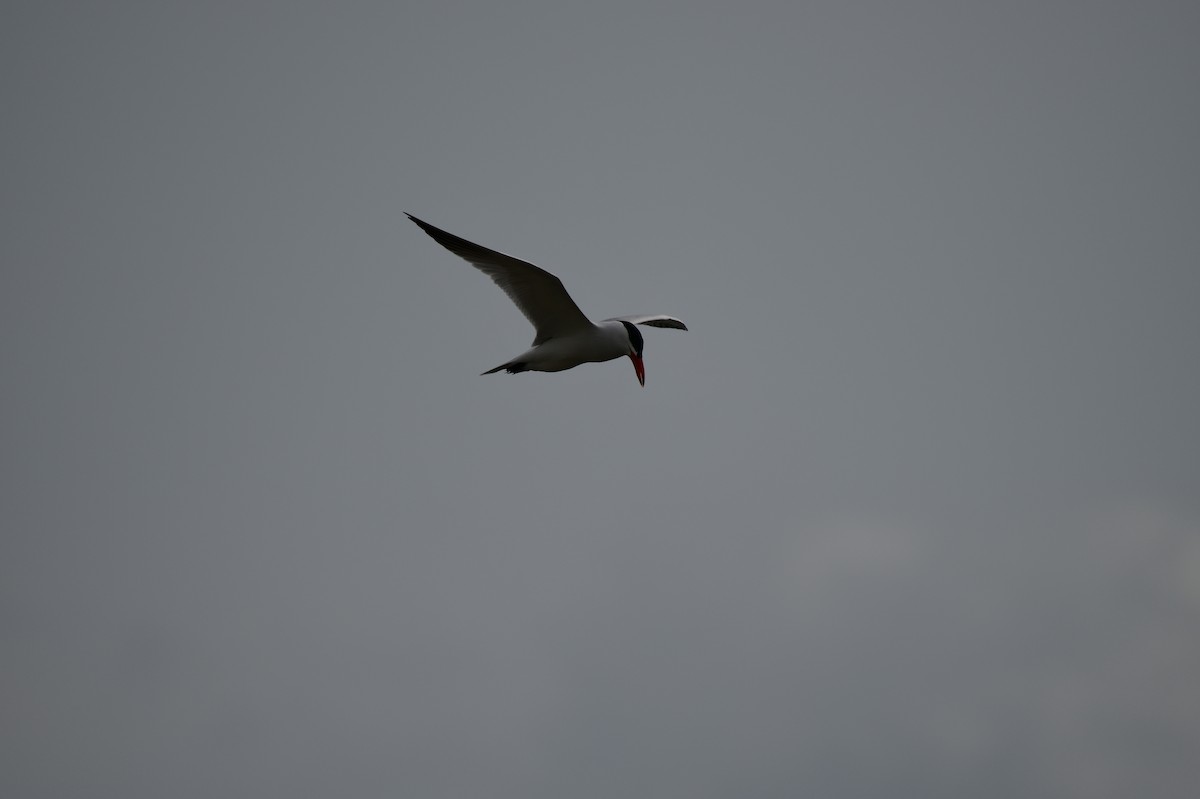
column 512, row 367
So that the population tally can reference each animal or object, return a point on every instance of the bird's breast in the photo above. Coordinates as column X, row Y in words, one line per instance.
column 563, row 353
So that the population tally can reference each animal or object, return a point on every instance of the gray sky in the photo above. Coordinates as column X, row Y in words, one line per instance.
column 912, row 510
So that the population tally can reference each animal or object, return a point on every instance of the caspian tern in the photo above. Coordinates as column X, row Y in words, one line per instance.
column 564, row 337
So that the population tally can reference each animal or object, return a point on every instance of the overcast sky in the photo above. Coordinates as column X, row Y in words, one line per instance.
column 913, row 509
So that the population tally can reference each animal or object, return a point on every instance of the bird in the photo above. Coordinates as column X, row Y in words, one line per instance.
column 564, row 337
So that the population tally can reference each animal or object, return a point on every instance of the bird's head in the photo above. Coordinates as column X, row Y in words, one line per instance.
column 635, row 350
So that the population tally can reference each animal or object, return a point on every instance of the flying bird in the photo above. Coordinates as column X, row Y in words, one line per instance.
column 564, row 337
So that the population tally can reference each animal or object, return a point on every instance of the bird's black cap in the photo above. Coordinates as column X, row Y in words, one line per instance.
column 635, row 337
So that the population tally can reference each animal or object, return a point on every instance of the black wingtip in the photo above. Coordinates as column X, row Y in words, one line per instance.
column 428, row 228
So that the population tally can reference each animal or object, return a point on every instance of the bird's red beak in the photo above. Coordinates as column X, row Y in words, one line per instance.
column 639, row 368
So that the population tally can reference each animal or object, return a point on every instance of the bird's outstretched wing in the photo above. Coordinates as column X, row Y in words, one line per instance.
column 651, row 320
column 539, row 294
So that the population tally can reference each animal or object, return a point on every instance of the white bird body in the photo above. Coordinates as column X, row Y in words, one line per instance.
column 564, row 338
column 603, row 342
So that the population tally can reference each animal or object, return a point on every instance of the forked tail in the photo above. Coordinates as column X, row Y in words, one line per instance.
column 512, row 367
